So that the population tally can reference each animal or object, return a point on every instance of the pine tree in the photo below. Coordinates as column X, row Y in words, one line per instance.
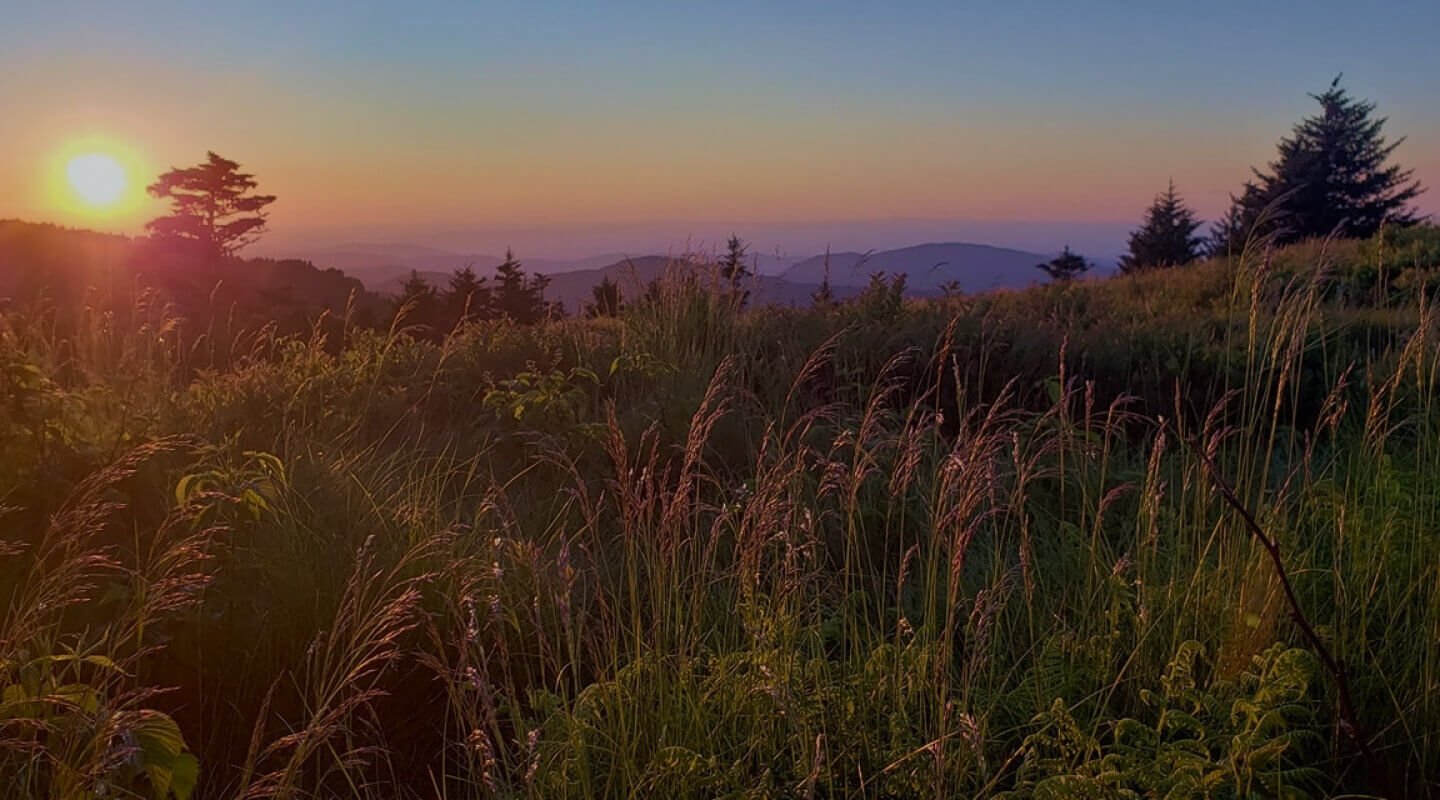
column 468, row 296
column 1167, row 236
column 517, row 296
column 1227, row 234
column 1332, row 175
column 418, row 301
column 605, row 299
column 212, row 206
column 1066, row 266
column 734, row 270
column 732, row 265
column 824, row 297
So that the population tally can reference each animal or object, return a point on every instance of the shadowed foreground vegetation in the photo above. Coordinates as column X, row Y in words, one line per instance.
column 958, row 548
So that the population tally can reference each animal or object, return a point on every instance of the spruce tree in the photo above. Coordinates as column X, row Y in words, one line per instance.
column 468, row 296
column 1167, row 236
column 1066, row 266
column 605, row 299
column 517, row 296
column 1227, row 234
column 734, row 270
column 732, row 265
column 418, row 301
column 1332, row 175
column 824, row 297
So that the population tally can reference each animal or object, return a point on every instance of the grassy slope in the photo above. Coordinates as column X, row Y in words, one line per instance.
column 887, row 548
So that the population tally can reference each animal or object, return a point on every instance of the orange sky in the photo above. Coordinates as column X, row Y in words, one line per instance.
column 349, row 130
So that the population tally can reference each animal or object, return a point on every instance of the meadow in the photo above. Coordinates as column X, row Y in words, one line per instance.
column 965, row 547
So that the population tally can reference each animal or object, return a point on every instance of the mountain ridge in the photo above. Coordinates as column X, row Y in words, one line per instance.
column 927, row 266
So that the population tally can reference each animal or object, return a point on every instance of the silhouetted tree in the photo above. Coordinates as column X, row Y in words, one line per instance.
column 517, row 296
column 1227, row 234
column 419, row 301
column 1167, row 236
column 212, row 206
column 1332, row 176
column 468, row 296
column 1066, row 266
column 605, row 299
column 950, row 289
column 733, row 268
column 732, row 265
column 881, row 299
column 824, row 297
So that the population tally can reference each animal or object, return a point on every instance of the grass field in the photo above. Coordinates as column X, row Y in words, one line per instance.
column 949, row 548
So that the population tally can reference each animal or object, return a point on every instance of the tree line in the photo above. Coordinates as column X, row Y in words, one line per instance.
column 1333, row 175
column 513, row 295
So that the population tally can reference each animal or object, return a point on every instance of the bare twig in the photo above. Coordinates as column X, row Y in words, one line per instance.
column 1349, row 721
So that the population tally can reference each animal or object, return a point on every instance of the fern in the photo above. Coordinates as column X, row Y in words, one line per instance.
column 1198, row 739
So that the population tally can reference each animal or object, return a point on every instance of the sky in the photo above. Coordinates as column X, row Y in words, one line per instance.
column 574, row 127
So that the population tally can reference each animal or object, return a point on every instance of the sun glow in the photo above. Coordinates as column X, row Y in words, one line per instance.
column 98, row 180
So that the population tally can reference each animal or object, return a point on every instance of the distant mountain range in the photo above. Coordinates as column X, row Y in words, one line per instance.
column 37, row 258
column 928, row 267
column 780, row 280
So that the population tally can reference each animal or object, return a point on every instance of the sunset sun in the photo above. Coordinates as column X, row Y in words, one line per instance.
column 98, row 180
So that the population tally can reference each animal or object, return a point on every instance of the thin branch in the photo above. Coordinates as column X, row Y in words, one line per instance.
column 1349, row 721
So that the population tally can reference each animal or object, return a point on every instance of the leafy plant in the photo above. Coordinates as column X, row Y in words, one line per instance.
column 92, row 745
column 542, row 401
column 1198, row 736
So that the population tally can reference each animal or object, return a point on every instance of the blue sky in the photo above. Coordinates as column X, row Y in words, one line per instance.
column 524, row 114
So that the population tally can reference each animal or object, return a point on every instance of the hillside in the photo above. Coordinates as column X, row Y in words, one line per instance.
column 382, row 267
column 634, row 274
column 975, row 267
column 62, row 264
column 504, row 553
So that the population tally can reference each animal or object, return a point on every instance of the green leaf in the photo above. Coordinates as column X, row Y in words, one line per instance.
column 159, row 745
column 184, row 775
column 1053, row 388
column 182, row 489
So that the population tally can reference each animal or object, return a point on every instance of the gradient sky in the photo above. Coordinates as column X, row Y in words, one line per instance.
column 401, row 118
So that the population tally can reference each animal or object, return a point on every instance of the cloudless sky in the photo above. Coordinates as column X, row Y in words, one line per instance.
column 404, row 117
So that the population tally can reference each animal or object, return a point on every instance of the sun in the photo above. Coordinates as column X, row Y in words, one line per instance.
column 97, row 179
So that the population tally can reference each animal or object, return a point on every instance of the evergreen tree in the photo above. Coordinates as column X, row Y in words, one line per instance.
column 1332, row 175
column 733, row 268
column 1167, row 236
column 212, row 206
column 468, row 296
column 605, row 299
column 1227, row 234
column 824, row 297
column 1066, row 266
column 517, row 296
column 418, row 301
column 732, row 265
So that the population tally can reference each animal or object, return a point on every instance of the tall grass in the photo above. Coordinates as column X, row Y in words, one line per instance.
column 955, row 548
